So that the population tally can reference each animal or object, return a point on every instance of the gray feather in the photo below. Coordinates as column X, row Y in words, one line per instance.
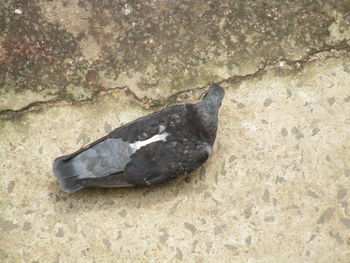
column 107, row 157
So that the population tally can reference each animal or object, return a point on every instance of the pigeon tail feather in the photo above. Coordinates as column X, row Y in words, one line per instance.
column 67, row 175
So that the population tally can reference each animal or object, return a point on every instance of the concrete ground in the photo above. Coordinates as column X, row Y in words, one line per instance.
column 277, row 186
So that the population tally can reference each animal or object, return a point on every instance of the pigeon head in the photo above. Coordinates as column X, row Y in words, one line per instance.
column 208, row 109
column 213, row 98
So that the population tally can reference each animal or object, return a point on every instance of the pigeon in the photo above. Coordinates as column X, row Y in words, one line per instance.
column 153, row 149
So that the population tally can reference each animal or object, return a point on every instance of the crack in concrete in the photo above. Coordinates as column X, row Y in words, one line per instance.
column 38, row 105
column 331, row 52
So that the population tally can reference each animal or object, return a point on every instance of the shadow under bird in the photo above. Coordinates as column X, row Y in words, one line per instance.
column 150, row 150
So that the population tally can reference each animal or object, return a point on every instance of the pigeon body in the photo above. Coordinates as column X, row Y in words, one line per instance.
column 150, row 150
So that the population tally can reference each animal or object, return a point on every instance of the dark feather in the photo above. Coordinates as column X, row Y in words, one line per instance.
column 160, row 162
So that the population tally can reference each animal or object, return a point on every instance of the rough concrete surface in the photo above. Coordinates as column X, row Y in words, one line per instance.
column 277, row 186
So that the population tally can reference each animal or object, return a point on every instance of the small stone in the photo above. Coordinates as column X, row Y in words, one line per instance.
column 183, row 6
column 109, row 202
column 232, row 158
column 164, row 237
column 172, row 210
column 127, row 10
column 261, row 64
column 120, row 235
column 206, row 195
column 345, row 221
column 269, row 219
column 26, row 226
column 11, row 186
column 230, row 247
column 331, row 101
column 190, row 227
column 13, row 146
column 312, row 194
column 347, row 172
column 107, row 127
column 282, row 63
column 280, row 179
column 342, row 193
column 194, row 245
column 248, row 212
column 179, row 254
column 223, row 170
column 267, row 102
column 209, row 245
column 57, row 198
column 311, row 238
column 326, row 215
column 315, row 131
column 338, row 238
column 248, row 240
column 297, row 133
column 91, row 77
column 62, row 149
column 7, row 225
column 266, row 196
column 240, row 105
column 274, row 201
column 18, row 11
column 219, row 229
column 60, row 232
column 83, row 138
column 107, row 243
column 284, row 132
column 122, row 213
column 202, row 173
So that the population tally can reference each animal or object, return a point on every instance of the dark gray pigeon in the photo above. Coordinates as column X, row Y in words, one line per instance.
column 150, row 150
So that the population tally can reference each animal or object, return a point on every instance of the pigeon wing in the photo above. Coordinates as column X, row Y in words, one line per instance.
column 162, row 161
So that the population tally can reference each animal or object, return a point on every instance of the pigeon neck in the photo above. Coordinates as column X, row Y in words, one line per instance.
column 208, row 117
